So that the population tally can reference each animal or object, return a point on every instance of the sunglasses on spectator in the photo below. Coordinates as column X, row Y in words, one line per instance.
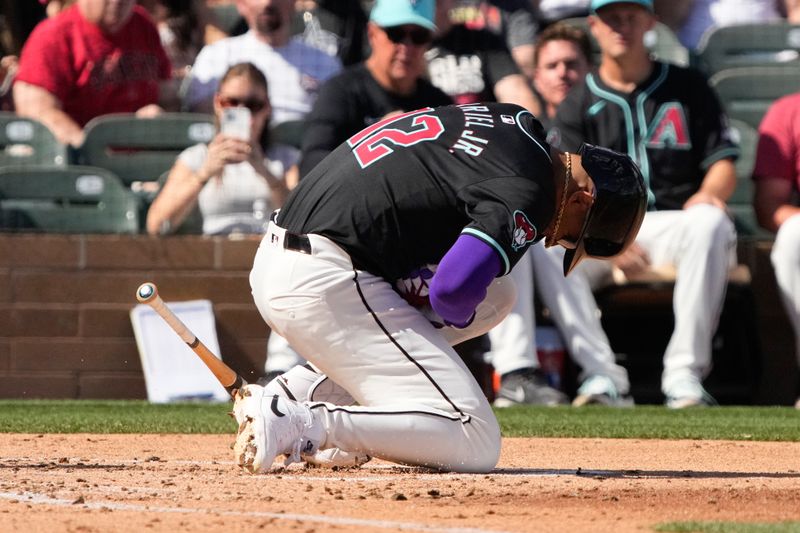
column 416, row 35
column 255, row 105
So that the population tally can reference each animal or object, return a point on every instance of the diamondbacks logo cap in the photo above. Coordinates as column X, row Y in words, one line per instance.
column 597, row 4
column 388, row 13
column 618, row 209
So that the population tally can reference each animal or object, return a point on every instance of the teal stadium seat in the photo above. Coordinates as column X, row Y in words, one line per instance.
column 747, row 92
column 25, row 141
column 139, row 150
column 748, row 45
column 65, row 199
column 662, row 42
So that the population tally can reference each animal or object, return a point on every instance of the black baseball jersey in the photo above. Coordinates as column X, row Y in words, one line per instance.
column 398, row 194
column 351, row 101
column 672, row 125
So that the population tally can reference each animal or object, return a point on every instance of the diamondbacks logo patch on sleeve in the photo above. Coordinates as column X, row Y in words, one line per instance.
column 524, row 231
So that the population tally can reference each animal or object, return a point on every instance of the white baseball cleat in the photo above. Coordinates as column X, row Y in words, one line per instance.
column 269, row 426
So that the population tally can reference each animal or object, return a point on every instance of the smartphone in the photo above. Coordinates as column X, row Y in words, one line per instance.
column 235, row 122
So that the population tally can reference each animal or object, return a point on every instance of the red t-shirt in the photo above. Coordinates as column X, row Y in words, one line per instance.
column 93, row 73
column 778, row 152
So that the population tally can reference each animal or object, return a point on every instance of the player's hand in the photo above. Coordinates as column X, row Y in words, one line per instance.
column 632, row 261
column 701, row 197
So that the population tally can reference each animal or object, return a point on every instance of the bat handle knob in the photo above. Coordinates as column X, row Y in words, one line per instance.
column 146, row 291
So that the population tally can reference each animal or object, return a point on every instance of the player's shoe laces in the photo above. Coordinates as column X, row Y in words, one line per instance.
column 269, row 426
column 600, row 390
column 688, row 392
column 527, row 386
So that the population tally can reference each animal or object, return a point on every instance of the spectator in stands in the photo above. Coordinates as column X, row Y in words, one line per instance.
column 475, row 65
column 672, row 124
column 512, row 20
column 390, row 81
column 691, row 19
column 184, row 26
column 235, row 183
column 293, row 69
column 337, row 27
column 777, row 181
column 562, row 57
column 95, row 57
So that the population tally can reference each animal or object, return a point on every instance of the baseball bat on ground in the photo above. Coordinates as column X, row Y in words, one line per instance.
column 147, row 293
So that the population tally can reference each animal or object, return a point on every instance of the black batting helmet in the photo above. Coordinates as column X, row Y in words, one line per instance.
column 618, row 209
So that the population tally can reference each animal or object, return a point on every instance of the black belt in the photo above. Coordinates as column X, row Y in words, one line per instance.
column 293, row 241
column 298, row 243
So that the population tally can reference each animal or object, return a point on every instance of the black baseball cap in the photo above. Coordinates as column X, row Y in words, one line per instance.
column 618, row 209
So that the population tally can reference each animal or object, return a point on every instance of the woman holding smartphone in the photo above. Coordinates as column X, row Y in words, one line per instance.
column 237, row 179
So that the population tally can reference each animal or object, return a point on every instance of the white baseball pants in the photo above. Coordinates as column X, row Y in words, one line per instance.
column 574, row 310
column 785, row 259
column 418, row 402
column 700, row 242
column 513, row 340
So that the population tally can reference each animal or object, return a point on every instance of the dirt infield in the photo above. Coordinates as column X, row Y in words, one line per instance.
column 87, row 483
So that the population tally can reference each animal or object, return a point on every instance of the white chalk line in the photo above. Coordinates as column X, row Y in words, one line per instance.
column 42, row 499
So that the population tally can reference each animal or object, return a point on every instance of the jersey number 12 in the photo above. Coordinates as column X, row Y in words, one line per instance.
column 377, row 141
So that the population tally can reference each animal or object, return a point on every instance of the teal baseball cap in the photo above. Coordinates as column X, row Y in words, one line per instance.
column 597, row 4
column 388, row 13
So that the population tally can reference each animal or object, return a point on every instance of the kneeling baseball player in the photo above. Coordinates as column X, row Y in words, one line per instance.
column 393, row 249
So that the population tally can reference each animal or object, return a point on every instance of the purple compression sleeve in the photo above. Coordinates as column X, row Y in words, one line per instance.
column 461, row 279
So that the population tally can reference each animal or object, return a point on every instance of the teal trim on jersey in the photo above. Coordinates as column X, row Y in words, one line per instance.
column 722, row 154
column 626, row 110
column 644, row 161
column 494, row 244
column 596, row 108
column 531, row 137
column 629, row 131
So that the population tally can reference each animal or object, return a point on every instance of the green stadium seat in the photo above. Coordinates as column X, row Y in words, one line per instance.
column 141, row 149
column 662, row 42
column 289, row 132
column 749, row 45
column 66, row 199
column 747, row 92
column 740, row 203
column 25, row 141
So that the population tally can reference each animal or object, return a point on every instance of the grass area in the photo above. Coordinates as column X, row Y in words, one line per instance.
column 642, row 422
column 729, row 527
